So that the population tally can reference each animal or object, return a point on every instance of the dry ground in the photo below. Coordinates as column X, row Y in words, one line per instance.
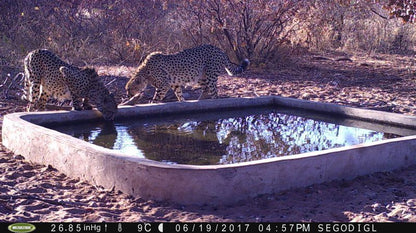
column 31, row 192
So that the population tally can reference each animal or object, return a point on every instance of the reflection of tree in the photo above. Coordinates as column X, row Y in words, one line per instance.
column 188, row 143
column 240, row 139
column 278, row 134
column 107, row 136
column 102, row 134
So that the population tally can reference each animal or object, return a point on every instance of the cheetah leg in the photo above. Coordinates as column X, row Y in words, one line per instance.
column 29, row 107
column 159, row 94
column 30, row 95
column 213, row 91
column 204, row 86
column 27, row 85
column 212, row 85
column 86, row 105
column 30, row 80
column 38, row 100
column 40, row 104
column 178, row 93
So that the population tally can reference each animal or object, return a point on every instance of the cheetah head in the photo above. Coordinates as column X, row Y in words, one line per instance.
column 136, row 85
column 107, row 106
column 97, row 92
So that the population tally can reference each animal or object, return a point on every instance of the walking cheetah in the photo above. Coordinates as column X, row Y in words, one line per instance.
column 47, row 76
column 199, row 65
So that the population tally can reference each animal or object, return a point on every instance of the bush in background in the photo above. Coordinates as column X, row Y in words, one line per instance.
column 91, row 31
column 265, row 31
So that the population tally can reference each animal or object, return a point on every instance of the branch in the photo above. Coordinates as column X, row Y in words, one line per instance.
column 217, row 10
column 380, row 15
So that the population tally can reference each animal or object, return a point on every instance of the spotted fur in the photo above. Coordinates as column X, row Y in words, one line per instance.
column 47, row 76
column 199, row 65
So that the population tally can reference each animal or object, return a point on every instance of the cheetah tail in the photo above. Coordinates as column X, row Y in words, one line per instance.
column 238, row 68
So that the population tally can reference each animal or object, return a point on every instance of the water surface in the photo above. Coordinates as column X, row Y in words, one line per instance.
column 224, row 137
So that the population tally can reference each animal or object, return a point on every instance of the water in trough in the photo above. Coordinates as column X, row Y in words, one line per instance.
column 225, row 137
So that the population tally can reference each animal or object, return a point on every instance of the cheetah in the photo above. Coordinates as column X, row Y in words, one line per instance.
column 195, row 66
column 47, row 76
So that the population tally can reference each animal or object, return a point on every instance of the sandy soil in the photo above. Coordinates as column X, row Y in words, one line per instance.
column 32, row 192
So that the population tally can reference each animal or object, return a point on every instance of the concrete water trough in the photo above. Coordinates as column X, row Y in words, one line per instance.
column 26, row 134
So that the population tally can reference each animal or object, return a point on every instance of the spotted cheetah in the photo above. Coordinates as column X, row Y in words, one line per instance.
column 47, row 76
column 199, row 65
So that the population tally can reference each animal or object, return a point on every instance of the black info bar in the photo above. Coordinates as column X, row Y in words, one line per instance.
column 104, row 227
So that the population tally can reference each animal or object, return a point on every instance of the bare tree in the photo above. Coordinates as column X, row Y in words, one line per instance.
column 253, row 29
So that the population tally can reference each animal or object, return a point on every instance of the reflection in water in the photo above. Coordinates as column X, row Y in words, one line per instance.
column 272, row 135
column 225, row 140
column 104, row 134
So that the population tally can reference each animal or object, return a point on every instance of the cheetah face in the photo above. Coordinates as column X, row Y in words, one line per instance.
column 108, row 106
column 136, row 85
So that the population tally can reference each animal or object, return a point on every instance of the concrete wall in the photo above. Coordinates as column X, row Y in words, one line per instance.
column 212, row 184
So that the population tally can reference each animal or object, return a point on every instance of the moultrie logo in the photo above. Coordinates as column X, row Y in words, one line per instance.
column 21, row 227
